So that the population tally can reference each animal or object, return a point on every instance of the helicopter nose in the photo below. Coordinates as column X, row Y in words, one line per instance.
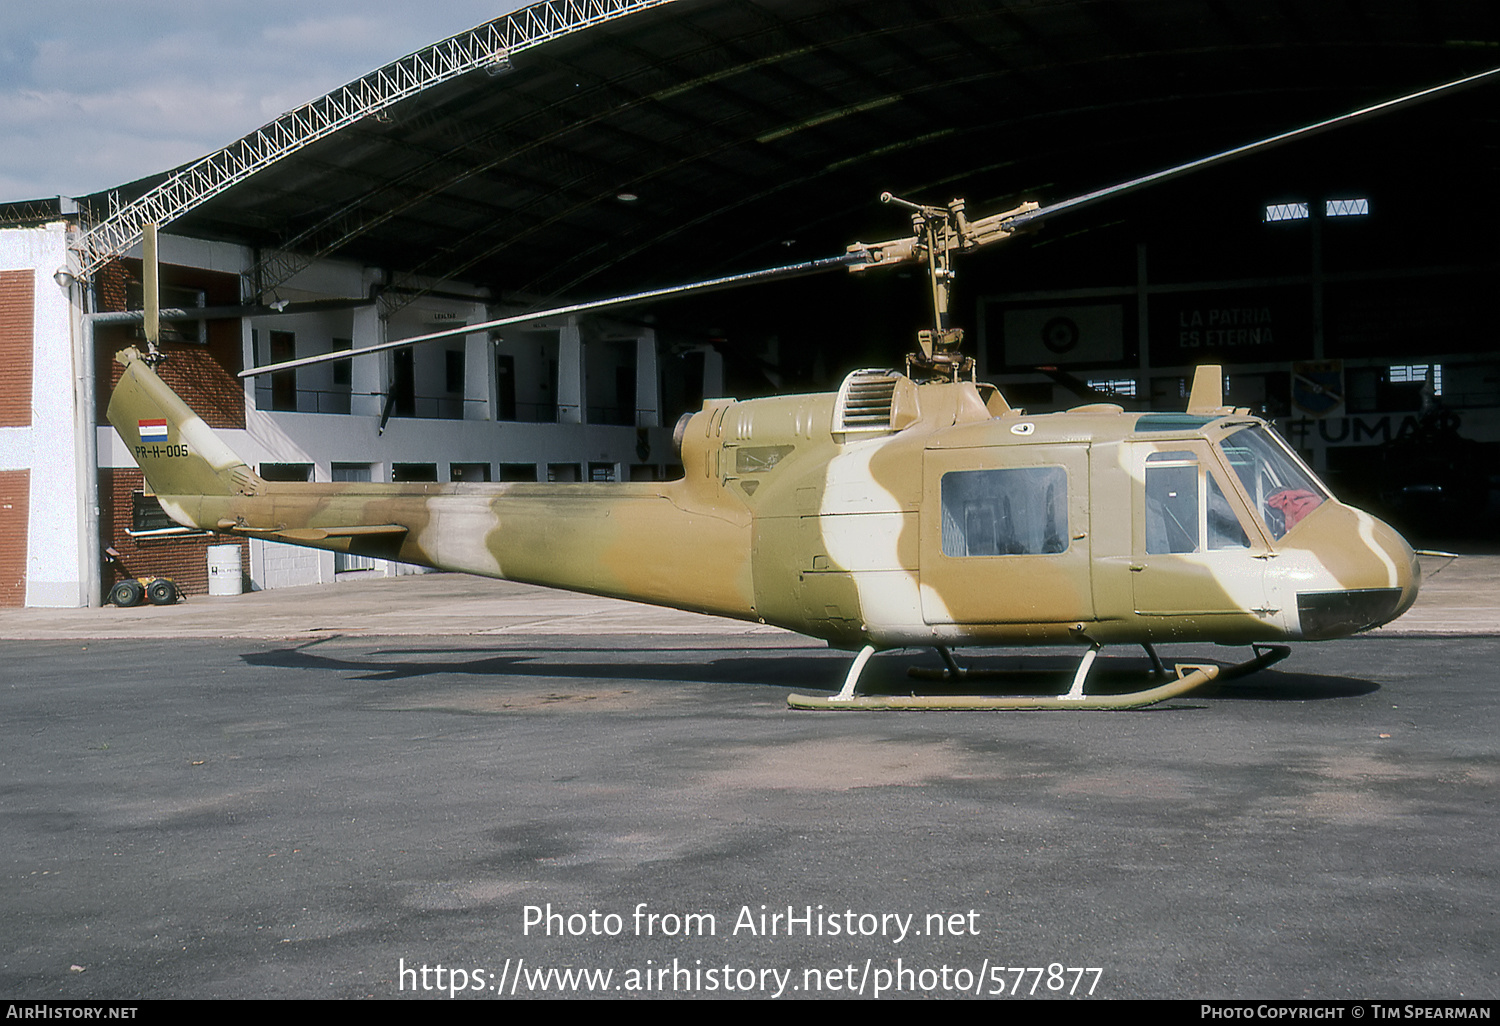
column 1377, row 575
column 1408, row 567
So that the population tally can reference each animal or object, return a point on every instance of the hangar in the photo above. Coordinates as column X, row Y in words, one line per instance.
column 586, row 148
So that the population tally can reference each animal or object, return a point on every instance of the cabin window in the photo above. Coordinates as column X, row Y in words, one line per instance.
column 1173, row 512
column 1017, row 512
column 1172, row 502
column 1224, row 528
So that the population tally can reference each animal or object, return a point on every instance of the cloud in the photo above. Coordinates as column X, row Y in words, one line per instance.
column 151, row 84
column 349, row 33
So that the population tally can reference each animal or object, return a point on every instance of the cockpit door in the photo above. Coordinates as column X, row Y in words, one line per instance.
column 1005, row 535
column 1194, row 543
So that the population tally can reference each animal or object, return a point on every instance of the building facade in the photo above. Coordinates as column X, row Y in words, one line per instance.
column 570, row 399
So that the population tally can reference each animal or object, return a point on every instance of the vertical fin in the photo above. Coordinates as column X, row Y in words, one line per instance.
column 179, row 454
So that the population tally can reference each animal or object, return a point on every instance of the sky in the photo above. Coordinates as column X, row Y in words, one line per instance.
column 97, row 93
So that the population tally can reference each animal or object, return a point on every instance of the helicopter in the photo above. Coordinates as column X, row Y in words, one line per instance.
column 912, row 508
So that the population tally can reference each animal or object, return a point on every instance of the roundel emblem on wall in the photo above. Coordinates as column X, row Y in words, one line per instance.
column 1060, row 335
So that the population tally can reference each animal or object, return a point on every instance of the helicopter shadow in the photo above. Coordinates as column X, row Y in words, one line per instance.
column 896, row 672
column 1283, row 686
column 780, row 668
column 1049, row 675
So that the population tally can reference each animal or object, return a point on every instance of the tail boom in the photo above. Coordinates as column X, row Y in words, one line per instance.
column 649, row 542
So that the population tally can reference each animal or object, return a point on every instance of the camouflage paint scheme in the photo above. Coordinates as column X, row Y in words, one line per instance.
column 806, row 513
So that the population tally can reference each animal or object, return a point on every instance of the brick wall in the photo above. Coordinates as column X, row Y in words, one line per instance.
column 205, row 378
column 184, row 559
column 14, row 521
column 203, row 375
column 17, row 320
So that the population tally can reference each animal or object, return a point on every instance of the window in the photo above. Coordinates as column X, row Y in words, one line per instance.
column 1172, row 502
column 1286, row 212
column 1224, row 530
column 453, row 367
column 1017, row 512
column 505, row 388
column 1281, row 489
column 283, row 383
column 286, row 471
column 149, row 520
column 1346, row 207
column 1173, row 510
column 353, row 472
column 414, row 473
column 344, row 562
column 1356, row 206
column 469, row 472
column 147, row 515
column 1114, row 386
column 171, row 297
column 1416, row 373
column 341, row 370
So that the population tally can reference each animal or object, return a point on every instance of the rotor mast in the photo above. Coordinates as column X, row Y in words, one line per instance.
column 937, row 233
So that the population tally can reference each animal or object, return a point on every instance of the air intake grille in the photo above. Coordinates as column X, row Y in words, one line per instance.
column 864, row 403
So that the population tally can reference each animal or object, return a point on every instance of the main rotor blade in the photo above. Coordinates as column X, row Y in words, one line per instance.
column 798, row 270
column 1245, row 150
column 845, row 259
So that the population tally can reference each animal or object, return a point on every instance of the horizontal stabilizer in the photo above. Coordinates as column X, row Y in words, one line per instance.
column 313, row 534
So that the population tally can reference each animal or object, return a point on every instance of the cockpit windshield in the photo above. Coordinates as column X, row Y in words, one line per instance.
column 1281, row 490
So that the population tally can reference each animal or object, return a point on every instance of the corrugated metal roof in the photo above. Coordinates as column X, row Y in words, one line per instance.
column 755, row 132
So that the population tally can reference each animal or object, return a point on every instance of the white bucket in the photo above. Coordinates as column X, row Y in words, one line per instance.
column 224, row 574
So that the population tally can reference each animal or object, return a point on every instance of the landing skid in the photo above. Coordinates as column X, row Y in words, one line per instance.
column 1188, row 677
column 1265, row 655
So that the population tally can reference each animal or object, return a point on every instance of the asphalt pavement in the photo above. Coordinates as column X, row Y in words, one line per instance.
column 437, row 786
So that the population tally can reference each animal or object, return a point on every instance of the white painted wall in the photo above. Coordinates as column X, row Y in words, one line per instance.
column 51, row 449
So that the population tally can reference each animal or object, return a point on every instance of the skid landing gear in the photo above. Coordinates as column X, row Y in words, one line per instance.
column 1184, row 678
